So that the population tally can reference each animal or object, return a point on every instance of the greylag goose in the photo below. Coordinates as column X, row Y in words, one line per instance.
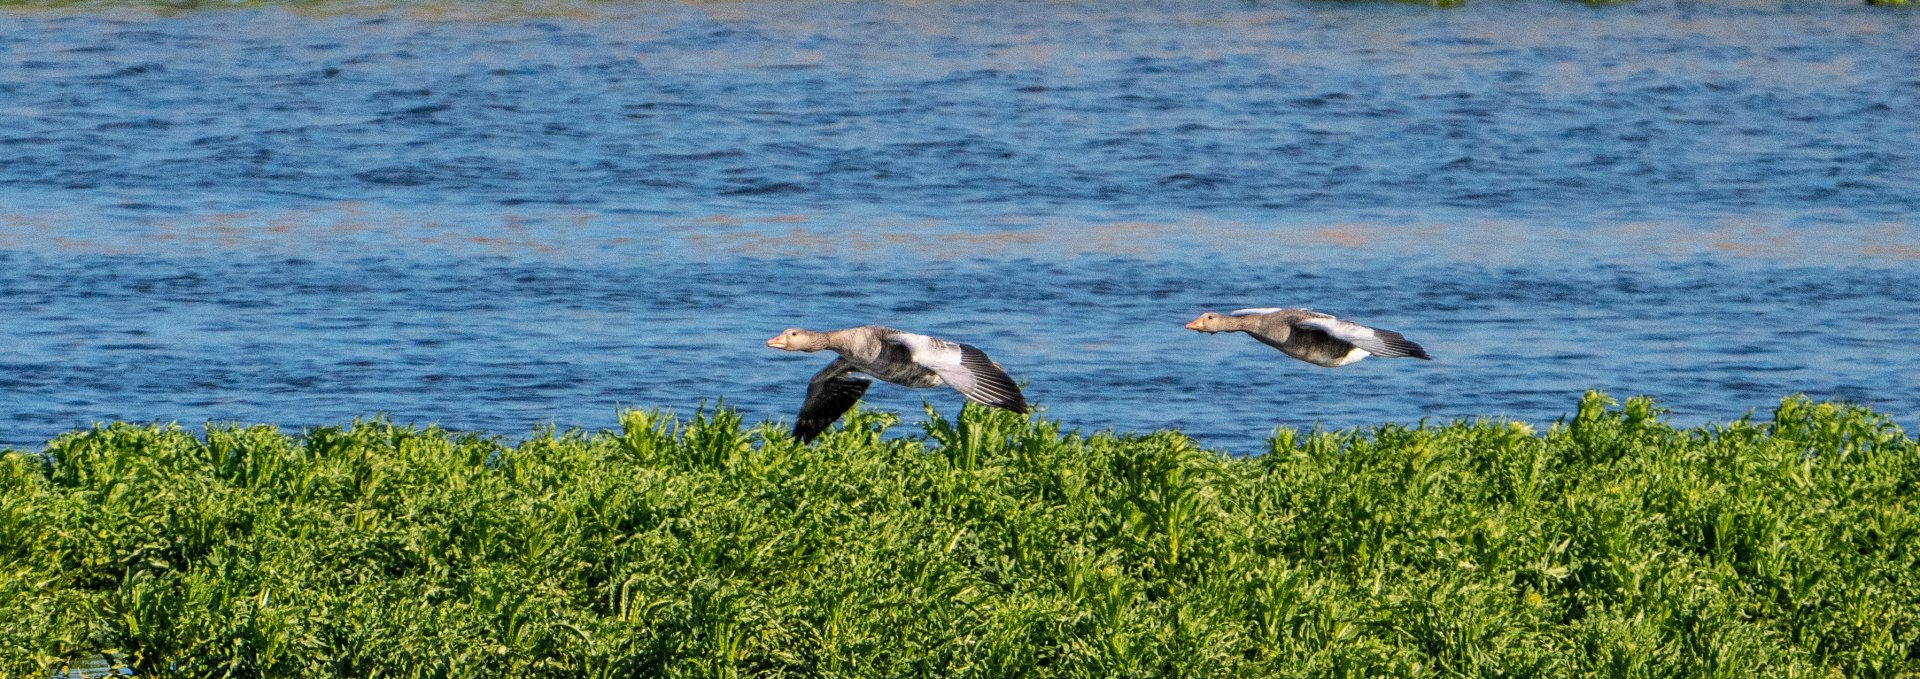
column 1311, row 336
column 902, row 358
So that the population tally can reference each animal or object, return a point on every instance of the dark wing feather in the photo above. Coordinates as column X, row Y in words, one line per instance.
column 830, row 394
column 1397, row 345
column 1377, row 341
column 989, row 384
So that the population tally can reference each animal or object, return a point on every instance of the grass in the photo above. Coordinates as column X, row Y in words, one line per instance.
column 1611, row 544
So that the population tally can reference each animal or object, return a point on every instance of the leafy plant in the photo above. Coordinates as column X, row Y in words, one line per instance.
column 1610, row 544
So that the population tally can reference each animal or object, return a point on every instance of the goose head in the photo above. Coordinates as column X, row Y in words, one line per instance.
column 1208, row 322
column 796, row 339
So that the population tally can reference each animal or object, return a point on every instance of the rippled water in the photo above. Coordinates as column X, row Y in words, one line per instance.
column 497, row 216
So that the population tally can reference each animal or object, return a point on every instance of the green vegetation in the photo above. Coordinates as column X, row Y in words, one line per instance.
column 1612, row 544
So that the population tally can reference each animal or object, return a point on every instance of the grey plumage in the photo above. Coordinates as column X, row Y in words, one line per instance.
column 1311, row 336
column 902, row 358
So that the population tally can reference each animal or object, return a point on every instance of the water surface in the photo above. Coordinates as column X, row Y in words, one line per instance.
column 493, row 217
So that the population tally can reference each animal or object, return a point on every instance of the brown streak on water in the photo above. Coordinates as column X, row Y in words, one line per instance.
column 353, row 229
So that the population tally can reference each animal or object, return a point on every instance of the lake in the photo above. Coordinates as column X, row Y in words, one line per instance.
column 499, row 216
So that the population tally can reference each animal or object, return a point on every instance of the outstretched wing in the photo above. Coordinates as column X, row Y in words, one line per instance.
column 982, row 381
column 1382, row 343
column 966, row 369
column 1257, row 311
column 830, row 394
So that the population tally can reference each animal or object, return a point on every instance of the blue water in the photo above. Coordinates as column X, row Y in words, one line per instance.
column 494, row 217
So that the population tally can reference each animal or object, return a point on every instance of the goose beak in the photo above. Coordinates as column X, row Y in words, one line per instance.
column 778, row 342
column 1194, row 325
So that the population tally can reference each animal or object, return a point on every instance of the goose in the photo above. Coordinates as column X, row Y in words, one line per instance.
column 902, row 358
column 1312, row 336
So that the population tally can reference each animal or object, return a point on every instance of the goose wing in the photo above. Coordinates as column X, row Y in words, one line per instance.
column 830, row 394
column 1376, row 341
column 966, row 369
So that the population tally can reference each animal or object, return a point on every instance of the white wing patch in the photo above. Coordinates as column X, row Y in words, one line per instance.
column 1383, row 343
column 937, row 355
column 1257, row 311
column 964, row 368
column 1351, row 333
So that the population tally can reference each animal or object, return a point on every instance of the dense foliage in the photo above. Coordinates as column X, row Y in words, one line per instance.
column 1612, row 544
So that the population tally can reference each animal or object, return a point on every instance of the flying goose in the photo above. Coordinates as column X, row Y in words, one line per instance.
column 902, row 358
column 1311, row 336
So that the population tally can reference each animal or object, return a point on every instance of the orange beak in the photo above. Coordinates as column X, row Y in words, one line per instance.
column 778, row 342
column 1193, row 324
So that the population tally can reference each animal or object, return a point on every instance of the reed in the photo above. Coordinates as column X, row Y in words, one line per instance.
column 1607, row 544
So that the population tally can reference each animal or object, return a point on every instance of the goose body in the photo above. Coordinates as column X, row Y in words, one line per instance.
column 1311, row 336
column 890, row 355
